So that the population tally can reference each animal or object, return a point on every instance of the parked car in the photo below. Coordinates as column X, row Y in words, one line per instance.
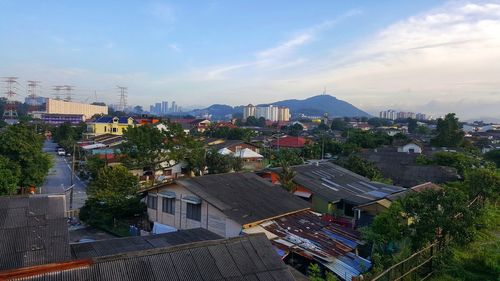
column 61, row 152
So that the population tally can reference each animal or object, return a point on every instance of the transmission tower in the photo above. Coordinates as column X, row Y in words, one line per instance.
column 10, row 111
column 32, row 95
column 58, row 90
column 68, row 93
column 122, row 104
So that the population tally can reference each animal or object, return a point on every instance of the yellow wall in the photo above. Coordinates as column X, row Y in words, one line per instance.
column 114, row 128
column 66, row 107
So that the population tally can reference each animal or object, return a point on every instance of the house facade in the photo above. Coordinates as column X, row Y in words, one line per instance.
column 110, row 125
column 224, row 204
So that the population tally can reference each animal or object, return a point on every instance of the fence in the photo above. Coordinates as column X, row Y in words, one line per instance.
column 412, row 268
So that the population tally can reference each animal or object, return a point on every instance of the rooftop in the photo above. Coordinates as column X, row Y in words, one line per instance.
column 248, row 257
column 244, row 197
column 33, row 231
column 335, row 183
column 139, row 243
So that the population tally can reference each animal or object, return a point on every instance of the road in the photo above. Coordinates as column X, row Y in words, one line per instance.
column 59, row 178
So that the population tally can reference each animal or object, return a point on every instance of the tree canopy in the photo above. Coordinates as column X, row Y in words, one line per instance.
column 24, row 149
column 449, row 133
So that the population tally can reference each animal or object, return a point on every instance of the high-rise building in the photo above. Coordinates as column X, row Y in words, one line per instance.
column 174, row 107
column 283, row 114
column 158, row 108
column 164, row 107
column 248, row 111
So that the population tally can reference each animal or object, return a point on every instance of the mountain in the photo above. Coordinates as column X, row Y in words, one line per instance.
column 316, row 105
column 321, row 104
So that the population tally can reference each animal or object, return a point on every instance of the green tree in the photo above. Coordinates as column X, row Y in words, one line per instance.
column 94, row 164
column 362, row 167
column 338, row 124
column 9, row 176
column 148, row 147
column 22, row 146
column 483, row 182
column 286, row 176
column 412, row 125
column 290, row 156
column 448, row 132
column 493, row 156
column 252, row 121
column 112, row 196
column 218, row 163
column 295, row 129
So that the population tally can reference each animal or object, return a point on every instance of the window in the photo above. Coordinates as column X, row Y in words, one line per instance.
column 105, row 129
column 194, row 211
column 168, row 205
column 114, row 130
column 152, row 202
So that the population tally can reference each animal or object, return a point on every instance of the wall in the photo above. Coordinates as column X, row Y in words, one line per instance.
column 64, row 107
column 212, row 219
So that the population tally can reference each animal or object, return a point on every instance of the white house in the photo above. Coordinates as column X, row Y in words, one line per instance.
column 411, row 147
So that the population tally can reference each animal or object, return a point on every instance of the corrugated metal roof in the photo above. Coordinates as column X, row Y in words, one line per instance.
column 249, row 257
column 335, row 183
column 138, row 243
column 33, row 231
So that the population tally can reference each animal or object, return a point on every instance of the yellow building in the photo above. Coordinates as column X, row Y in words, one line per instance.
column 110, row 125
column 67, row 107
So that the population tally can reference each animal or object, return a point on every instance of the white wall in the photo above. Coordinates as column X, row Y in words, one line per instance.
column 212, row 218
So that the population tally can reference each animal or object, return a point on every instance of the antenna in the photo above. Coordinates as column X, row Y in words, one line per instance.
column 10, row 111
column 324, row 91
column 122, row 104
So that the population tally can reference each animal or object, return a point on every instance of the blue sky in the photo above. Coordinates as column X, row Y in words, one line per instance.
column 375, row 54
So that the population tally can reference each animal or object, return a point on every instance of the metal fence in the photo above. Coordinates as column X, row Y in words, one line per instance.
column 418, row 266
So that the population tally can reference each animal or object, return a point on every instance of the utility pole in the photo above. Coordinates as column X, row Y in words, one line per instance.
column 72, row 178
column 10, row 111
column 122, row 104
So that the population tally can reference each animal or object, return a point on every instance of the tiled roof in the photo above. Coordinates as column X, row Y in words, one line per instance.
column 244, row 197
column 139, row 243
column 291, row 142
column 109, row 119
column 249, row 257
column 33, row 231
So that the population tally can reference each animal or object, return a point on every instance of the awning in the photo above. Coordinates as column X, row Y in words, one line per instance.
column 167, row 194
column 304, row 194
column 159, row 228
column 192, row 199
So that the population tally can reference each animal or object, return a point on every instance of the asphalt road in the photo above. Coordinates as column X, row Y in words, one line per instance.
column 59, row 178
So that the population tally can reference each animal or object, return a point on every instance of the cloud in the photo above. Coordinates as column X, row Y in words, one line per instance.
column 162, row 11
column 281, row 55
column 174, row 47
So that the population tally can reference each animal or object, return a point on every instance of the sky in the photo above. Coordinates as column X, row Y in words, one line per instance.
column 423, row 56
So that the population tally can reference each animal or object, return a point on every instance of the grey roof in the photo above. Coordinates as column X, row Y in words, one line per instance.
column 244, row 197
column 33, row 231
column 335, row 183
column 242, row 258
column 403, row 170
column 138, row 243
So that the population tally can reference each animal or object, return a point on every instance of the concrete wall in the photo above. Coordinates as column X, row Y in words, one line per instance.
column 212, row 218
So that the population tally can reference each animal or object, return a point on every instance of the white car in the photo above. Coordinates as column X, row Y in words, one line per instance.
column 61, row 152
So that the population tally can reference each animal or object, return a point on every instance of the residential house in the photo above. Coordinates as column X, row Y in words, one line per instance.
column 110, row 125
column 223, row 203
column 34, row 231
column 333, row 190
column 305, row 238
column 290, row 142
column 196, row 125
column 413, row 146
column 250, row 257
column 373, row 208
column 248, row 152
column 403, row 170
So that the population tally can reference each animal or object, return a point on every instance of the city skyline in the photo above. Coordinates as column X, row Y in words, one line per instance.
column 431, row 56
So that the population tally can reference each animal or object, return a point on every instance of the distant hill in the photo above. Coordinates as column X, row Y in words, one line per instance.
column 321, row 104
column 316, row 105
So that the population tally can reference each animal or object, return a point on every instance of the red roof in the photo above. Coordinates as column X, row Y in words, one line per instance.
column 291, row 142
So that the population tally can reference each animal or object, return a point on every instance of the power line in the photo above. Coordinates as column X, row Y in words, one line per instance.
column 32, row 95
column 69, row 94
